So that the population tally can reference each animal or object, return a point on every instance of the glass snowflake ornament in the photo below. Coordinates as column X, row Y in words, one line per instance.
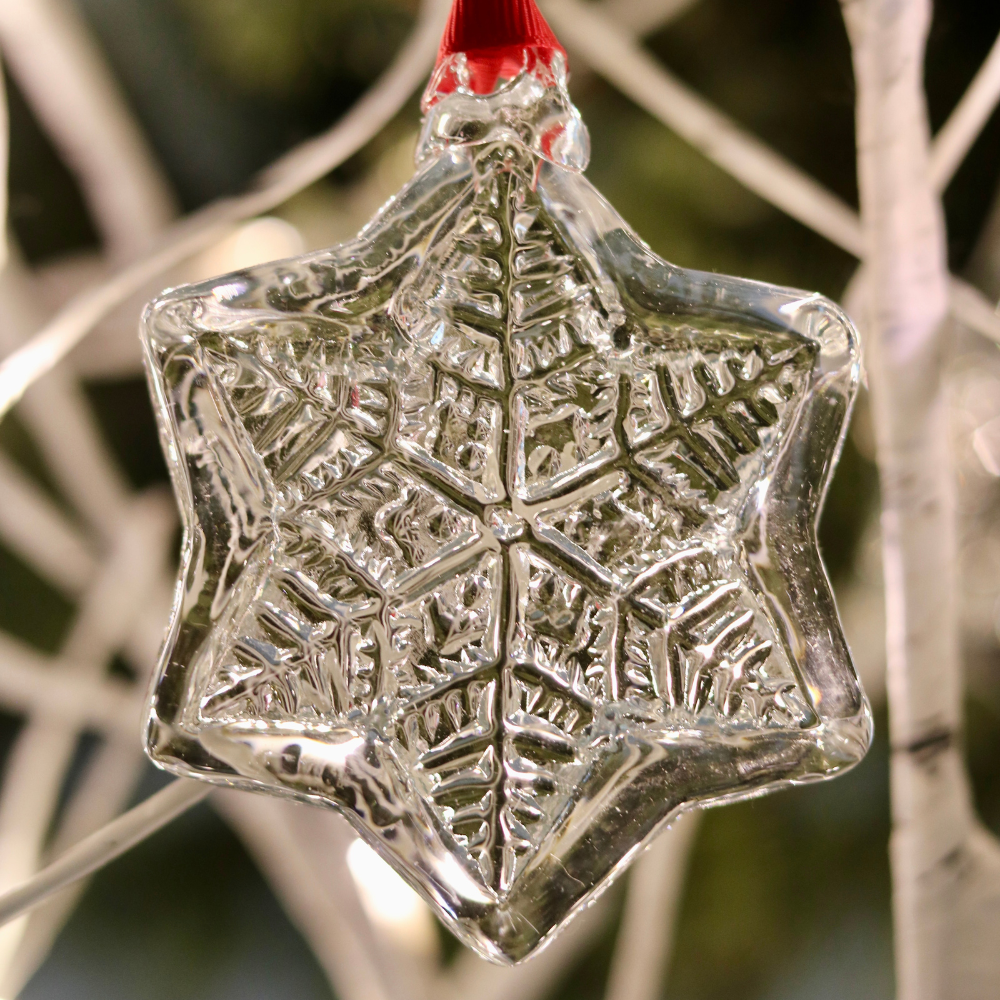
column 500, row 531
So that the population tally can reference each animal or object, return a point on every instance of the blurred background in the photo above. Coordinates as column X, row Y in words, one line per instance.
column 785, row 897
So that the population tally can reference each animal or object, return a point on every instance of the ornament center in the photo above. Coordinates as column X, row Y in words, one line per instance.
column 505, row 524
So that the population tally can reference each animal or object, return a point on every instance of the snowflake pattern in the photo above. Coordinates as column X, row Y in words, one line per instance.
column 477, row 514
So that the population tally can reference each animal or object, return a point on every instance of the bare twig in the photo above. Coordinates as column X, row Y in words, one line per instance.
column 619, row 58
column 102, row 847
column 966, row 121
column 32, row 526
column 287, row 176
column 472, row 976
column 642, row 950
column 4, row 165
column 642, row 17
column 102, row 793
column 622, row 60
column 33, row 683
column 61, row 71
column 302, row 852
column 59, row 416
column 37, row 764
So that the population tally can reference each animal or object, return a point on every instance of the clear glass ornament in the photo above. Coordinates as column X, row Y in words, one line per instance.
column 500, row 531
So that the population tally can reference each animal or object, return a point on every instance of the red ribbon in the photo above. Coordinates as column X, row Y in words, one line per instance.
column 494, row 34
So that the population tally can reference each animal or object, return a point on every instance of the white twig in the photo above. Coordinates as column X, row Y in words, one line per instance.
column 32, row 683
column 315, row 888
column 969, row 306
column 101, row 794
column 4, row 165
column 34, row 528
column 43, row 749
column 60, row 417
column 643, row 17
column 966, row 121
column 474, row 977
column 102, row 847
column 642, row 949
column 62, row 73
column 622, row 60
column 287, row 176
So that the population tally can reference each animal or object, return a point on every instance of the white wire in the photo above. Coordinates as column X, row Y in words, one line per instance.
column 105, row 845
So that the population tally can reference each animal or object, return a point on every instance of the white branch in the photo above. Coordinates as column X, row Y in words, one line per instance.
column 102, row 847
column 622, row 60
column 643, row 17
column 946, row 873
column 966, row 121
column 32, row 683
column 60, row 417
column 473, row 977
column 301, row 850
column 34, row 528
column 645, row 937
column 44, row 748
column 969, row 306
column 63, row 75
column 100, row 795
column 287, row 176
column 4, row 165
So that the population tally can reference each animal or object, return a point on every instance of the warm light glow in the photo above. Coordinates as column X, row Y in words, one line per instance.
column 390, row 903
column 256, row 242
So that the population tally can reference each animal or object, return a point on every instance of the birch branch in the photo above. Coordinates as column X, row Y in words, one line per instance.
column 63, row 75
column 290, row 174
column 946, row 873
column 102, row 847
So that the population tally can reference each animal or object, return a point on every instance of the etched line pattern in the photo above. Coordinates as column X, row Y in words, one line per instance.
column 503, row 548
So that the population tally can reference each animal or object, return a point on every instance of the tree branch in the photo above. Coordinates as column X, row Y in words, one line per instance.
column 290, row 174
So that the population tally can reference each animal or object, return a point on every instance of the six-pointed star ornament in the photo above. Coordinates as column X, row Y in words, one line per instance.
column 500, row 530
